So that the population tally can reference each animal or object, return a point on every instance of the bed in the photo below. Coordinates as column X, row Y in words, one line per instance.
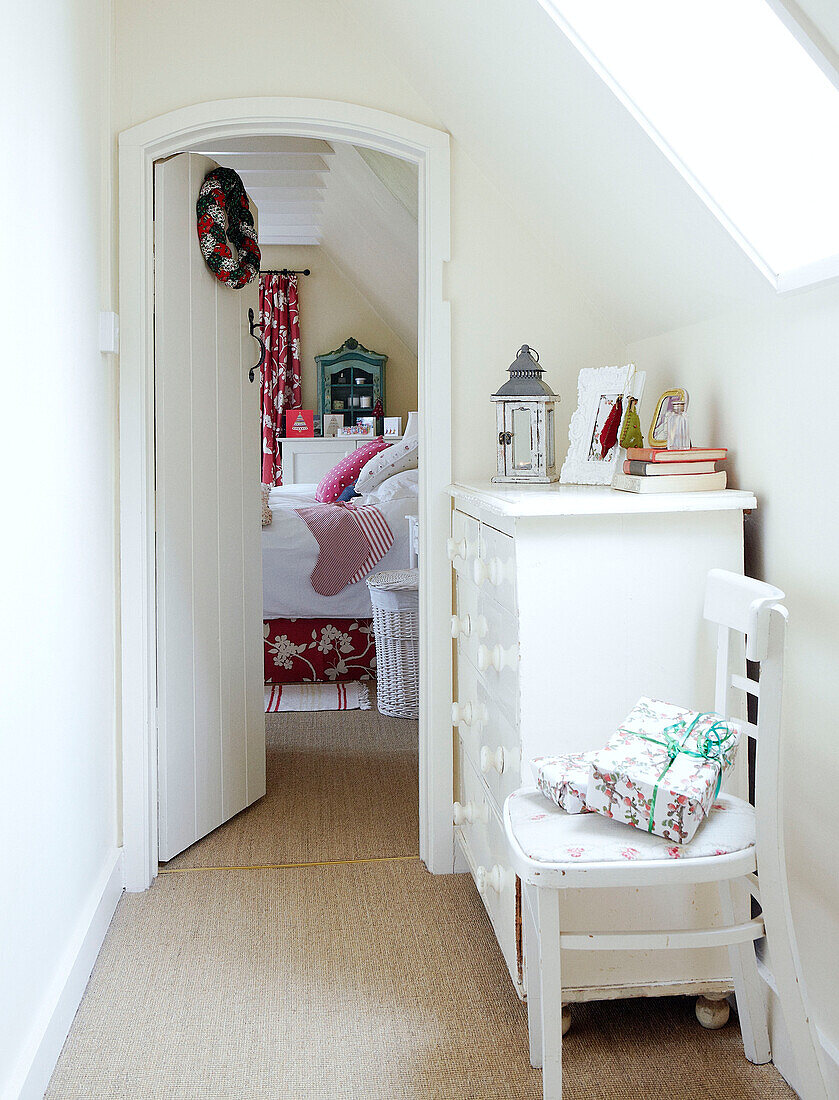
column 313, row 637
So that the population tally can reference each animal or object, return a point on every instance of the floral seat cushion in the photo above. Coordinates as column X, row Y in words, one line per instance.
column 547, row 834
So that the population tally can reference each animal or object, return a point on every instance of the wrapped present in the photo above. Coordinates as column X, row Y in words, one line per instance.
column 663, row 769
column 563, row 779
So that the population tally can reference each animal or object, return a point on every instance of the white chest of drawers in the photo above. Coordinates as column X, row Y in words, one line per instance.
column 570, row 603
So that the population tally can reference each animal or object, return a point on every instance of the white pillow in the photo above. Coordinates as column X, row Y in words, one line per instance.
column 397, row 458
column 404, row 486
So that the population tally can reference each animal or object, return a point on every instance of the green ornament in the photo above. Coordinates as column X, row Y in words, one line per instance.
column 631, row 434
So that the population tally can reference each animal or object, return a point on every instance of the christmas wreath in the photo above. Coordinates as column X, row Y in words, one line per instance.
column 222, row 203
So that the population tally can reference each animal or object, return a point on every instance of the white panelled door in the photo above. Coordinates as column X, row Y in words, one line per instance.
column 211, row 722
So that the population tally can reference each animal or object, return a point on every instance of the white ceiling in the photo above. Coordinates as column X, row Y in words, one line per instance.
column 520, row 100
column 528, row 109
column 359, row 206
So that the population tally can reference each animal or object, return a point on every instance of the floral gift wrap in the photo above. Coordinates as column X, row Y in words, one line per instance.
column 662, row 771
column 563, row 779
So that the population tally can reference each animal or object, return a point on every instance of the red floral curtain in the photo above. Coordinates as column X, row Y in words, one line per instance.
column 279, row 315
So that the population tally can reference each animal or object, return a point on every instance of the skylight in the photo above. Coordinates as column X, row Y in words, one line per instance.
column 740, row 108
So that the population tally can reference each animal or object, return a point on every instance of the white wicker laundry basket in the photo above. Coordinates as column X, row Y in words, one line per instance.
column 395, row 598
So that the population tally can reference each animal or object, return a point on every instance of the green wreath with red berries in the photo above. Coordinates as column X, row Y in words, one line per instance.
column 224, row 215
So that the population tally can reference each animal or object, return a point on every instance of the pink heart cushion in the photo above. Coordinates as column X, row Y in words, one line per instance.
column 346, row 473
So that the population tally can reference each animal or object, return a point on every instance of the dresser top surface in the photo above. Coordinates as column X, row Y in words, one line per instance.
column 591, row 500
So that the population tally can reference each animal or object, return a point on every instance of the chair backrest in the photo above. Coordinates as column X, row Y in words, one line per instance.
column 752, row 609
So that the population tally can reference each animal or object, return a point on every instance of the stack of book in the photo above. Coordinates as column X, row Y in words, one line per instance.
column 652, row 470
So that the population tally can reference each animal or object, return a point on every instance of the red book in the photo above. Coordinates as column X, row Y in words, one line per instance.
column 299, row 424
column 667, row 469
column 659, row 454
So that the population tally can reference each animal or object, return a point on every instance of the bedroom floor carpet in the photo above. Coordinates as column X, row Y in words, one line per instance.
column 367, row 981
column 338, row 787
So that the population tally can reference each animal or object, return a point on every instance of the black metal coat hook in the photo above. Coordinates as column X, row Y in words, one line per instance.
column 257, row 335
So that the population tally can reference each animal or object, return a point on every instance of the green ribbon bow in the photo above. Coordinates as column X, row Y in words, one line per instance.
column 716, row 743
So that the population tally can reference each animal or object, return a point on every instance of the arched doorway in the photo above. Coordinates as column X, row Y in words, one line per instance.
column 139, row 147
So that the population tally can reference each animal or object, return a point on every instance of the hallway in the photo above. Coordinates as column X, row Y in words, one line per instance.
column 368, row 981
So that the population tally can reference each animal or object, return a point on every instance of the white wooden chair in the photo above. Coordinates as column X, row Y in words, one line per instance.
column 751, row 843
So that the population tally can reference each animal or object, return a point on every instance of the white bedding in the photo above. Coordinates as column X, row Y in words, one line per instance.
column 290, row 550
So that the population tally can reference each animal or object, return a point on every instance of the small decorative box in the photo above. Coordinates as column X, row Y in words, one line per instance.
column 563, row 779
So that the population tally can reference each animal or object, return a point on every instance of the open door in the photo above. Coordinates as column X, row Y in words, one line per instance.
column 211, row 721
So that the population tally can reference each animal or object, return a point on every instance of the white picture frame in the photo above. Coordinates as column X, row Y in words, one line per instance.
column 332, row 423
column 597, row 389
column 393, row 427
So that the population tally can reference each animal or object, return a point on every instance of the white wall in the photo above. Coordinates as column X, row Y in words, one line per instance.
column 333, row 306
column 582, row 192
column 762, row 383
column 507, row 283
column 57, row 554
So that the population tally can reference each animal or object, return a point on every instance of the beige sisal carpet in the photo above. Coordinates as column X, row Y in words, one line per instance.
column 371, row 981
column 338, row 787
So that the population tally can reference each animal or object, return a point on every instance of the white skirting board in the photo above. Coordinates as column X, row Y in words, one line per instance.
column 61, row 1000
column 781, row 1052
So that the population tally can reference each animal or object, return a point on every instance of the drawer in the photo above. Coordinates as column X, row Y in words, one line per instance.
column 485, row 846
column 494, row 569
column 464, row 545
column 469, row 626
column 497, row 750
column 497, row 657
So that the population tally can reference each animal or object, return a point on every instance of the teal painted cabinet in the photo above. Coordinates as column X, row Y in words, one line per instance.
column 351, row 380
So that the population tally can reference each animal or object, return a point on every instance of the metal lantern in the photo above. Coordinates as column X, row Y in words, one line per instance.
column 526, row 416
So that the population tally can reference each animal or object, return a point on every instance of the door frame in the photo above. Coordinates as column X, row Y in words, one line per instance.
column 139, row 147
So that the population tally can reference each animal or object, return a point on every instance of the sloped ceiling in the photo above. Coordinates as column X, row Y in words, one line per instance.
column 538, row 121
column 359, row 206
column 819, row 19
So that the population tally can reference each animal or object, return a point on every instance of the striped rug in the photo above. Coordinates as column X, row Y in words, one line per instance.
column 351, row 696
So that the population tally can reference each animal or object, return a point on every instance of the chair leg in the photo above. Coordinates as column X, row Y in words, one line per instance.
column 751, row 1005
column 786, row 970
column 533, row 975
column 549, row 926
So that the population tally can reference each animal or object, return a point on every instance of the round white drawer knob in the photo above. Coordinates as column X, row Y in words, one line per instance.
column 492, row 759
column 492, row 571
column 461, row 626
column 497, row 658
column 462, row 714
column 467, row 813
column 492, row 879
column 455, row 548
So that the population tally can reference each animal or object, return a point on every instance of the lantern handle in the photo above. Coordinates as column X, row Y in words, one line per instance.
column 531, row 352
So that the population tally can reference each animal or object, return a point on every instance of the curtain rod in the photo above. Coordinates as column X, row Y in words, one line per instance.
column 282, row 271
